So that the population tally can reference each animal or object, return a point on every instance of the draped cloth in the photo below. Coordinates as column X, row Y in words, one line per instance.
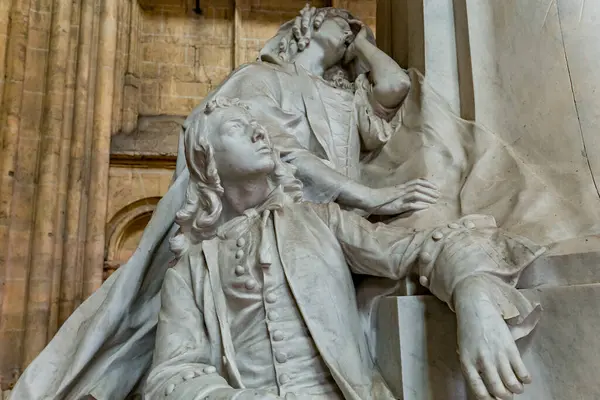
column 478, row 173
column 105, row 347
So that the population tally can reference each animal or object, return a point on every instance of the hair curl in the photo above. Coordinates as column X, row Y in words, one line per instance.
column 199, row 216
column 294, row 37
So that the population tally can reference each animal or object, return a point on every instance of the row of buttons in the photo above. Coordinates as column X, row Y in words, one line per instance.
column 271, row 298
column 426, row 258
column 240, row 270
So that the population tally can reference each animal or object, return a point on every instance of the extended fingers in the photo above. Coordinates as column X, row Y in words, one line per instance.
column 508, row 375
column 412, row 206
column 475, row 382
column 493, row 381
column 421, row 182
column 518, row 366
column 417, row 196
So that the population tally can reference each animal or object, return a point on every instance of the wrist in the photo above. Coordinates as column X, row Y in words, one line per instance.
column 469, row 292
column 362, row 47
column 356, row 195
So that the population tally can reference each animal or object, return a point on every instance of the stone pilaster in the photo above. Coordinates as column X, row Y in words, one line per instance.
column 14, row 225
column 100, row 156
column 45, row 229
column 71, row 271
column 65, row 163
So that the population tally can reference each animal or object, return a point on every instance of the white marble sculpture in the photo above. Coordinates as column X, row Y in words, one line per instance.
column 359, row 131
column 261, row 302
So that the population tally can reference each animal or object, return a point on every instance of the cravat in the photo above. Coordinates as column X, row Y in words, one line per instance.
column 237, row 226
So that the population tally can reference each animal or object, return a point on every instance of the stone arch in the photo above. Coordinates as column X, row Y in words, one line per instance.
column 124, row 231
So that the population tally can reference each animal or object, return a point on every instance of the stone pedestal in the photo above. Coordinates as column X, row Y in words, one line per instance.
column 417, row 349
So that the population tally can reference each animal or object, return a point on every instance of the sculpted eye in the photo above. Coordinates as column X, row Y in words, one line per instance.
column 235, row 127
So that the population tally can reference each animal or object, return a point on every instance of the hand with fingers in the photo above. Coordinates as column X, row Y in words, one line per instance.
column 359, row 34
column 488, row 354
column 403, row 199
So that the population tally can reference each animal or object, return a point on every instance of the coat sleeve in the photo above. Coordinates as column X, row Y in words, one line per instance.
column 182, row 367
column 376, row 124
column 472, row 247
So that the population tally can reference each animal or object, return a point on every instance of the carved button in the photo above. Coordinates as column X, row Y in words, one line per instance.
column 437, row 235
column 210, row 370
column 239, row 254
column 424, row 281
column 453, row 225
column 280, row 357
column 241, row 242
column 170, row 389
column 189, row 375
column 469, row 225
column 250, row 284
column 271, row 298
column 426, row 257
column 284, row 378
column 272, row 315
column 278, row 336
column 239, row 270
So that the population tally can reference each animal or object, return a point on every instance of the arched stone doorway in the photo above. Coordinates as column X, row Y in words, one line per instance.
column 124, row 232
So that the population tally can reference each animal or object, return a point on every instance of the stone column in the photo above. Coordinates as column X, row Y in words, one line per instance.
column 4, row 22
column 100, row 156
column 45, row 229
column 65, row 163
column 14, row 237
column 71, row 273
column 421, row 34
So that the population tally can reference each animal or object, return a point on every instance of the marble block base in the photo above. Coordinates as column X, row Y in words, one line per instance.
column 416, row 349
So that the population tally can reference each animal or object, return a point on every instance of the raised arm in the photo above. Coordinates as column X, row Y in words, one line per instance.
column 390, row 81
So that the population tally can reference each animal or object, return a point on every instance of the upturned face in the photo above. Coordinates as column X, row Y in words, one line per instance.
column 240, row 144
column 334, row 35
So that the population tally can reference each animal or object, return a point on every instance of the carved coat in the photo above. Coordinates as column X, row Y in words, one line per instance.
column 319, row 246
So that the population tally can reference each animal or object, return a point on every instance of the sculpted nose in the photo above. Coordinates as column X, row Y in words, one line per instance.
column 259, row 134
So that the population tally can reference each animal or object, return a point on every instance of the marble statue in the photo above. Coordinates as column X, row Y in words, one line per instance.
column 362, row 134
column 311, row 90
column 260, row 303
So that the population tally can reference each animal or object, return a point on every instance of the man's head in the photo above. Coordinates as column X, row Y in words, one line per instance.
column 238, row 144
column 328, row 28
column 225, row 143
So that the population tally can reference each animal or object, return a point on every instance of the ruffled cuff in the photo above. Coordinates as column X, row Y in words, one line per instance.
column 496, row 260
column 520, row 314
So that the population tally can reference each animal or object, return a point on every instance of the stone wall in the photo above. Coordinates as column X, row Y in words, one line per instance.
column 184, row 55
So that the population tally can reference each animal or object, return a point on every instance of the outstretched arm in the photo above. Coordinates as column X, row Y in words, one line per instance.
column 473, row 267
column 323, row 184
